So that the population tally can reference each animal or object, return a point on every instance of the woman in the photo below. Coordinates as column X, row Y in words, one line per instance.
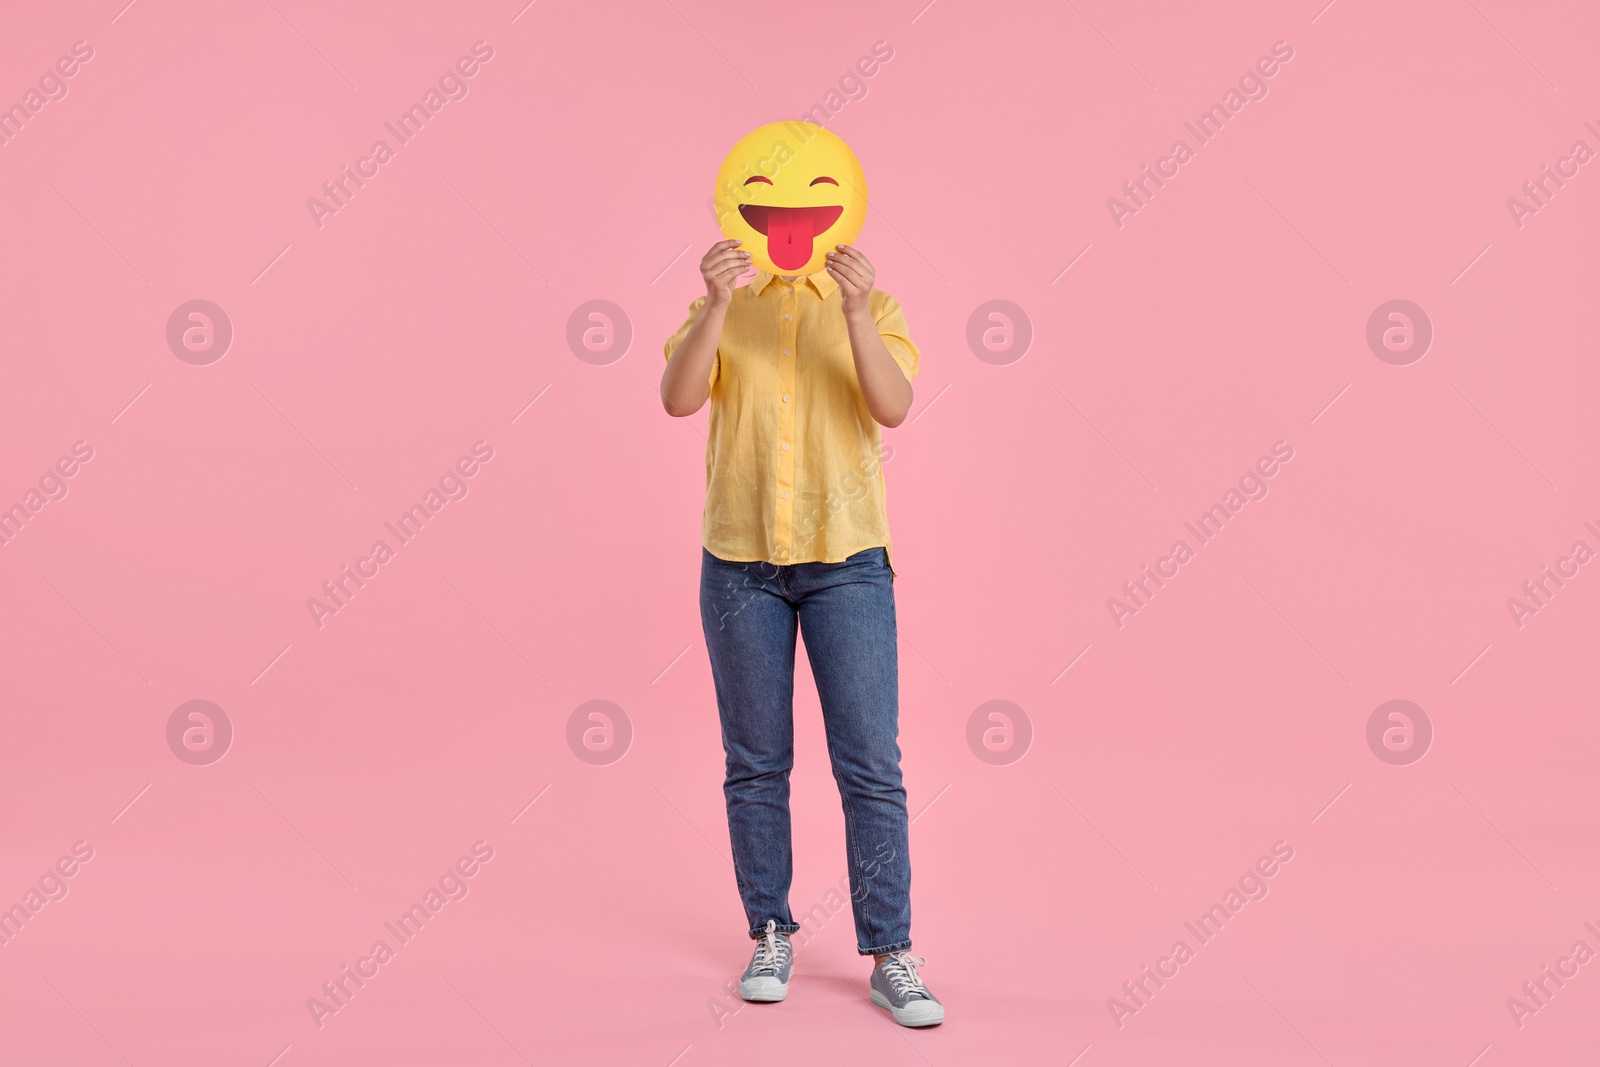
column 800, row 372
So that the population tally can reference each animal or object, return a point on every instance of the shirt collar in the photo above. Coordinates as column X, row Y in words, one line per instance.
column 821, row 281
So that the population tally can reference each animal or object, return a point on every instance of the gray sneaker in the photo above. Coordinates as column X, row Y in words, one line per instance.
column 897, row 986
column 767, row 977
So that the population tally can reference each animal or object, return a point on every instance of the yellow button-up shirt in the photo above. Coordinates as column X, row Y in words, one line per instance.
column 793, row 468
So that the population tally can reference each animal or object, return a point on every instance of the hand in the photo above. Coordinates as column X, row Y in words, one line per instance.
column 721, row 267
column 855, row 276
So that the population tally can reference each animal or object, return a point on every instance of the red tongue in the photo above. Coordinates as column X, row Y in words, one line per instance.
column 790, row 231
column 789, row 237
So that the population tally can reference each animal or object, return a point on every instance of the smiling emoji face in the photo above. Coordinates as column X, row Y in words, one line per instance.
column 790, row 191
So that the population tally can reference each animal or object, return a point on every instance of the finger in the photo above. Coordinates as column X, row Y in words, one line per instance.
column 844, row 268
column 858, row 263
column 850, row 286
column 849, row 270
column 723, row 253
column 718, row 248
column 728, row 277
column 855, row 261
column 723, row 261
column 855, row 256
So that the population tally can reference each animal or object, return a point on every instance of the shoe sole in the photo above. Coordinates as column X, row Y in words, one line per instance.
column 928, row 1012
column 762, row 994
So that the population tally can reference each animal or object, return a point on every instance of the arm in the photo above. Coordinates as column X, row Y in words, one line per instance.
column 685, row 384
column 883, row 384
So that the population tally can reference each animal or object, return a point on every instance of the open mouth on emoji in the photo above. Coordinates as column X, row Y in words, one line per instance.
column 789, row 231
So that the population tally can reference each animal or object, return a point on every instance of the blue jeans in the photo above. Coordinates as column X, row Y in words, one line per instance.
column 751, row 612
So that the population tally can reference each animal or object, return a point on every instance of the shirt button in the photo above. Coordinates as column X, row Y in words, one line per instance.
column 786, row 318
column 786, row 448
column 786, row 496
column 786, row 351
column 786, row 398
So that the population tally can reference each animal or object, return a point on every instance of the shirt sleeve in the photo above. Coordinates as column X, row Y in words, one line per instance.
column 896, row 336
column 683, row 331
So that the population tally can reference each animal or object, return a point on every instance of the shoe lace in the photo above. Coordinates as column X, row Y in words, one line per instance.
column 901, row 971
column 772, row 950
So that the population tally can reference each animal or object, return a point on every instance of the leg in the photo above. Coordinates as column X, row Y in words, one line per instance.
column 848, row 619
column 750, row 635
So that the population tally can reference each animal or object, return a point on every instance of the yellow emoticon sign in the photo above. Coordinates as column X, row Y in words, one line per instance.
column 790, row 191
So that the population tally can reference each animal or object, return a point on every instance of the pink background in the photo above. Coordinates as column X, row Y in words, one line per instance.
column 1228, row 714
